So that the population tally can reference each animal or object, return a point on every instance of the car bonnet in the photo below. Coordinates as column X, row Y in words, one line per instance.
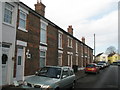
column 41, row 80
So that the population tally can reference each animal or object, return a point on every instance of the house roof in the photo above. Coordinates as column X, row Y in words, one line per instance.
column 99, row 54
column 110, row 55
column 48, row 21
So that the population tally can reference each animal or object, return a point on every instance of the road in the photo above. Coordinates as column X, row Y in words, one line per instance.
column 107, row 78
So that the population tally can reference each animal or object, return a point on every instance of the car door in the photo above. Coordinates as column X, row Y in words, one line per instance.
column 65, row 79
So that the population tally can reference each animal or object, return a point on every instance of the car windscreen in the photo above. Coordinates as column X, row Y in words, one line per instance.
column 100, row 64
column 90, row 66
column 50, row 72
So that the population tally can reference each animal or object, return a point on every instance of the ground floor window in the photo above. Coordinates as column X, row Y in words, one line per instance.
column 60, row 59
column 42, row 58
column 76, row 59
column 70, row 60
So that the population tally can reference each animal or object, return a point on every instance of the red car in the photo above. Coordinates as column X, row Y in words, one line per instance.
column 92, row 68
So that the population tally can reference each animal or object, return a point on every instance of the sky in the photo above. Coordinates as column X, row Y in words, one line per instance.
column 87, row 17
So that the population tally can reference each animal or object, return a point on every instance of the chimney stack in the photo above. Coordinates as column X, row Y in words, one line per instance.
column 40, row 8
column 70, row 30
column 83, row 39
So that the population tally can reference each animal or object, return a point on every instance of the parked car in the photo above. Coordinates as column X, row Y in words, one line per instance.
column 118, row 63
column 114, row 63
column 101, row 65
column 106, row 64
column 92, row 68
column 53, row 77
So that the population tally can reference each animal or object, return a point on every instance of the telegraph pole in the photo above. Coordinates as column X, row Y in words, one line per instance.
column 94, row 47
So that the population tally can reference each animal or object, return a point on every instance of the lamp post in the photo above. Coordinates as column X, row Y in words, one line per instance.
column 94, row 47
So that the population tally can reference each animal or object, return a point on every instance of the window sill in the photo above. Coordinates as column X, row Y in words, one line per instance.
column 11, row 25
column 76, row 52
column 43, row 43
column 22, row 29
column 60, row 48
column 70, row 47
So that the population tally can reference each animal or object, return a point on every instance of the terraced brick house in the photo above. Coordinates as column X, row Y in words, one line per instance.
column 39, row 42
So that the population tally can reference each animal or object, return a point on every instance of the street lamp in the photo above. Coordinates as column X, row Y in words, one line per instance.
column 94, row 47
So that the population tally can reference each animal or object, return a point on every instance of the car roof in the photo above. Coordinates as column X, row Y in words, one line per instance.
column 91, row 63
column 59, row 67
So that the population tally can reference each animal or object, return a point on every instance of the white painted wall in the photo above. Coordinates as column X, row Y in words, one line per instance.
column 9, row 36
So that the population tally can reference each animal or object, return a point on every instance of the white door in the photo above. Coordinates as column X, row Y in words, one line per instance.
column 20, row 64
column 5, row 53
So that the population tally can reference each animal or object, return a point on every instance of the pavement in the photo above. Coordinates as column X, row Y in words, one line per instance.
column 80, row 73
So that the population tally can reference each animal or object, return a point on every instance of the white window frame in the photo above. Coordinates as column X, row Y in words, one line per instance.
column 76, row 47
column 43, row 22
column 43, row 56
column 60, row 38
column 6, row 8
column 77, row 59
column 60, row 59
column 70, row 42
column 70, row 58
column 24, row 13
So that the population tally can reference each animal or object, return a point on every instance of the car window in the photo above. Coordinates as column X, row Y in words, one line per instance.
column 50, row 72
column 65, row 73
column 90, row 65
column 71, row 72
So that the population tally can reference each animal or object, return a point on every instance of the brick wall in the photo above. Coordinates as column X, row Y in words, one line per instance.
column 32, row 37
column 52, row 45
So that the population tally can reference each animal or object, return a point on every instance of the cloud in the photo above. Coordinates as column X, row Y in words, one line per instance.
column 106, row 30
column 87, row 17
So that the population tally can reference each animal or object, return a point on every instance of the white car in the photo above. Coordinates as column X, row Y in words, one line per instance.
column 101, row 65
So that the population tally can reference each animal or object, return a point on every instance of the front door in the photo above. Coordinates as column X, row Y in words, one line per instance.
column 5, row 53
column 20, row 64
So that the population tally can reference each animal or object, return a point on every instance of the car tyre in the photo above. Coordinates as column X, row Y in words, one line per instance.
column 57, row 88
column 73, row 85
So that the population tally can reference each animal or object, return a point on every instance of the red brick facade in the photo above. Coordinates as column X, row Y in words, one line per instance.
column 32, row 38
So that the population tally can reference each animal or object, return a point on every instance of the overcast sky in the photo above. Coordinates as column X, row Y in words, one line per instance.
column 87, row 17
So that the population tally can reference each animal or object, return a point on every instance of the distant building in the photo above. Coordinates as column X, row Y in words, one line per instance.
column 102, row 57
column 113, row 57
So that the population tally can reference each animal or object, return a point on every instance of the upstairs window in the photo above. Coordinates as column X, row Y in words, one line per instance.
column 76, row 47
column 60, row 40
column 43, row 33
column 8, row 13
column 22, row 20
column 69, row 42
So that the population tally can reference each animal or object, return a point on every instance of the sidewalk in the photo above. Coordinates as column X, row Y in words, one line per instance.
column 80, row 73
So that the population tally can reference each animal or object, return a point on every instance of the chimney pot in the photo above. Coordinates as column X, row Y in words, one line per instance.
column 70, row 30
column 40, row 8
column 83, row 39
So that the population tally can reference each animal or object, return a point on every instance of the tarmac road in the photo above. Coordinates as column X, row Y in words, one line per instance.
column 107, row 78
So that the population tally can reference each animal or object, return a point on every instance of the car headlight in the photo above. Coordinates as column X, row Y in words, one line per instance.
column 46, row 87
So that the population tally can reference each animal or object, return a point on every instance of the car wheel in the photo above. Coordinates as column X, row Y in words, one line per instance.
column 73, row 85
column 57, row 88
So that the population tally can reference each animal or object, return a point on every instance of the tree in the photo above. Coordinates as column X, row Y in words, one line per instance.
column 110, row 50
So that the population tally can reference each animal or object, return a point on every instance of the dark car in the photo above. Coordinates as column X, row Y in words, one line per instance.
column 92, row 68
